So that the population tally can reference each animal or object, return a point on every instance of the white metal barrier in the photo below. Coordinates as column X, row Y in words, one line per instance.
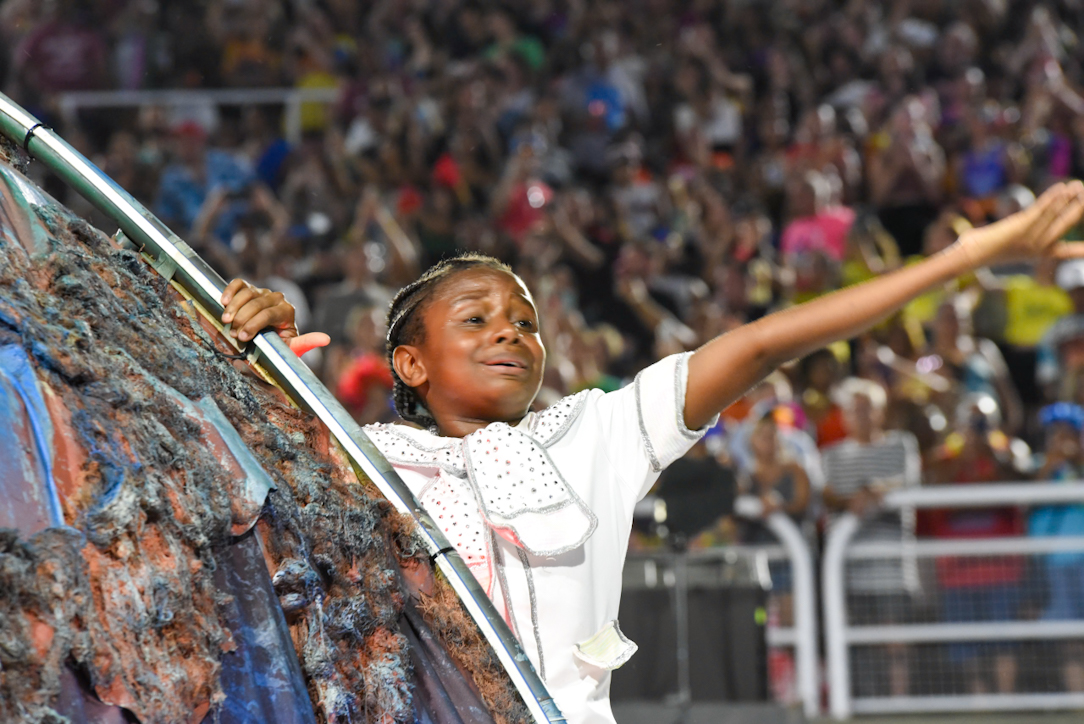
column 291, row 99
column 840, row 635
column 803, row 635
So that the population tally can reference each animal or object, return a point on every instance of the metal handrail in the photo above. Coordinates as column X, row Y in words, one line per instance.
column 292, row 98
column 984, row 495
column 837, row 547
column 965, row 631
column 175, row 260
column 1049, row 701
column 185, row 96
column 967, row 547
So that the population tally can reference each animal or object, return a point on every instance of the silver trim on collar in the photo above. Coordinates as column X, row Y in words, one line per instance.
column 534, row 611
column 502, row 581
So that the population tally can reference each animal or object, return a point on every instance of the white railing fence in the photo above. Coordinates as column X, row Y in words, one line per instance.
column 841, row 635
column 292, row 100
column 802, row 636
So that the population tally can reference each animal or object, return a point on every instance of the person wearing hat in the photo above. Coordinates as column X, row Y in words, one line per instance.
column 1061, row 350
column 1064, row 572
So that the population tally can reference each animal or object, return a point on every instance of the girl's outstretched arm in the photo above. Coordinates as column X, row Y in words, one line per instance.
column 725, row 368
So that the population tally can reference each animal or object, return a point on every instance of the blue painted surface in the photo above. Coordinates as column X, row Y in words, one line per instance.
column 26, row 476
column 262, row 678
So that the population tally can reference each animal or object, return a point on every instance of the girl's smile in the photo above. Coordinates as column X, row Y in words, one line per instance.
column 508, row 363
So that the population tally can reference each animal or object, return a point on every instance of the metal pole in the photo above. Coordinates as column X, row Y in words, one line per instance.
column 805, row 597
column 971, row 703
column 805, row 609
column 174, row 259
column 987, row 495
column 72, row 101
column 976, row 495
column 835, row 615
column 684, row 696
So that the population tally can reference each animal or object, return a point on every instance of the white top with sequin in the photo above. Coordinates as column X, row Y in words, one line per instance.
column 542, row 514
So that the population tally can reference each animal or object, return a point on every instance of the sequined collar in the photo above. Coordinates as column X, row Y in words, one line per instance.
column 520, row 493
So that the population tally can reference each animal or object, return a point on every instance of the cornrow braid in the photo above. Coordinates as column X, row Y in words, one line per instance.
column 405, row 325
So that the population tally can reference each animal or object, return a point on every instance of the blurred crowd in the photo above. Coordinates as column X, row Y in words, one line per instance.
column 658, row 172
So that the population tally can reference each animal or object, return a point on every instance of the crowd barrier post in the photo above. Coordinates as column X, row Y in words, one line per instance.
column 804, row 637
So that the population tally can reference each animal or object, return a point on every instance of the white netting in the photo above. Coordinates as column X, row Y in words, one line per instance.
column 1005, row 623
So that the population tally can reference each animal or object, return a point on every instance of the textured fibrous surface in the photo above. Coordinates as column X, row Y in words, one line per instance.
column 125, row 594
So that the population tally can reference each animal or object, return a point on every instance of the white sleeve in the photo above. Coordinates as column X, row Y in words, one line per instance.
column 643, row 425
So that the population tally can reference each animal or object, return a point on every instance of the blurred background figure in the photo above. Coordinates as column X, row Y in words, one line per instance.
column 974, row 589
column 782, row 485
column 860, row 469
column 1063, row 460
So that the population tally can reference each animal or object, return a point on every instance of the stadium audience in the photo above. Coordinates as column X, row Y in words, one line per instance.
column 659, row 171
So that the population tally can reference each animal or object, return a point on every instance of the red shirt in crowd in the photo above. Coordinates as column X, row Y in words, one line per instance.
column 976, row 571
column 358, row 379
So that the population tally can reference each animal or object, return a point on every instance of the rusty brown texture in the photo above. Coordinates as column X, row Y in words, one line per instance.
column 124, row 594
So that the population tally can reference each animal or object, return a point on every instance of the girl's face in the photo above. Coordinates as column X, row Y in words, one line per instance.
column 481, row 359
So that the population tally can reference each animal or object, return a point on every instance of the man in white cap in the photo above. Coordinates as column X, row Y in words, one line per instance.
column 1061, row 351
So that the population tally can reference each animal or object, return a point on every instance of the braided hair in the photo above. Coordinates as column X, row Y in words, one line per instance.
column 405, row 324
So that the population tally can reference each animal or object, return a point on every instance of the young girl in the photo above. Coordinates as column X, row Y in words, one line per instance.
column 539, row 504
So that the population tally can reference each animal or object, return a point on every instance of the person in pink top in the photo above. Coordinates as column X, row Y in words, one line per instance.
column 817, row 224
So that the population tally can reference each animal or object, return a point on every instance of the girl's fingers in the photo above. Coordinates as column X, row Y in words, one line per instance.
column 1068, row 216
column 1039, row 233
column 1048, row 199
column 1017, row 235
column 263, row 318
column 1031, row 214
column 231, row 289
column 1057, row 190
column 1076, row 201
column 1069, row 250
column 266, row 310
column 304, row 342
column 237, row 302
